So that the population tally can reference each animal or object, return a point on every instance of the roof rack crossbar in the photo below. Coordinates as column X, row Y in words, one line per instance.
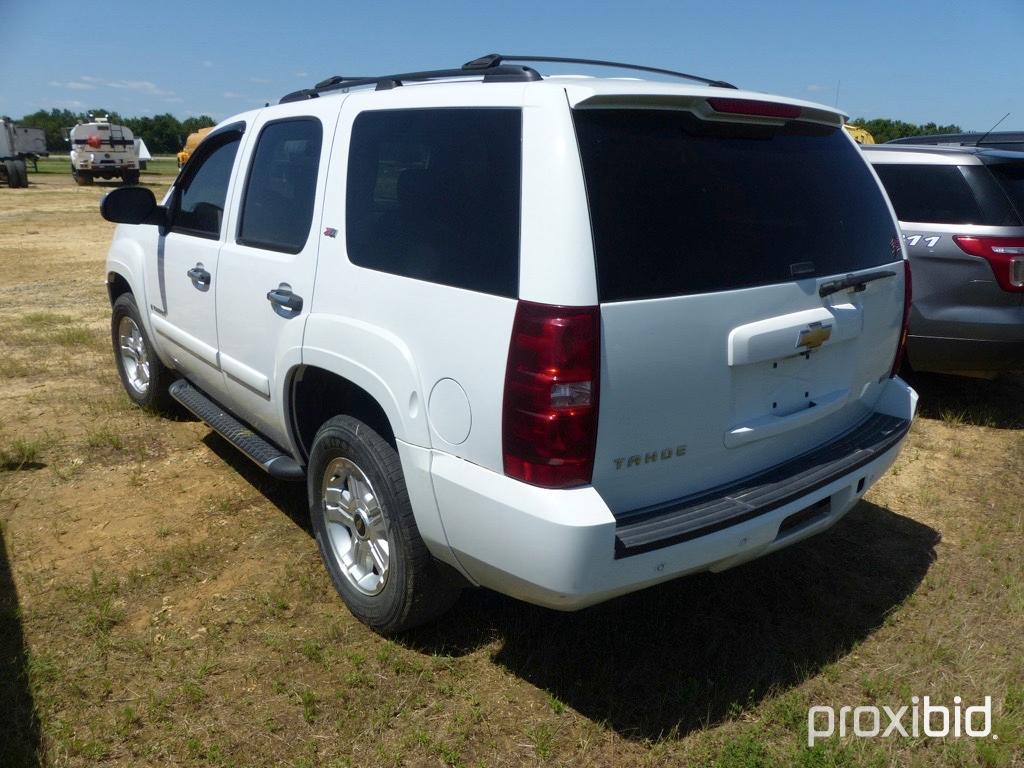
column 497, row 59
column 496, row 74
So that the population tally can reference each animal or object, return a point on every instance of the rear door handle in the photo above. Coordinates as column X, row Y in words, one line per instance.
column 199, row 276
column 284, row 302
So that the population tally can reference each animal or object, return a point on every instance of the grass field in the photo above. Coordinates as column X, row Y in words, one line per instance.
column 162, row 601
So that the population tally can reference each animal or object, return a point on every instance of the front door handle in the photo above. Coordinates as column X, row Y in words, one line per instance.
column 199, row 276
column 284, row 302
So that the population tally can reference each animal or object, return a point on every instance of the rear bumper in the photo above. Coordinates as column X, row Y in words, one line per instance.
column 558, row 548
column 946, row 355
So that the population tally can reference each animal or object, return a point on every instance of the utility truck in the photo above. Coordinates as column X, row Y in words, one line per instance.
column 18, row 144
column 101, row 149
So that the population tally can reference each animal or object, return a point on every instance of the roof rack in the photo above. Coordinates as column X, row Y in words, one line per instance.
column 496, row 74
column 492, row 60
column 493, row 69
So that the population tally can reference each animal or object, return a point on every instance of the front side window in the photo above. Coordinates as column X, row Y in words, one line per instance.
column 204, row 188
column 433, row 194
column 277, row 209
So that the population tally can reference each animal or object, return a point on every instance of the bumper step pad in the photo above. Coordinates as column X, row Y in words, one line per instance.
column 270, row 458
column 661, row 525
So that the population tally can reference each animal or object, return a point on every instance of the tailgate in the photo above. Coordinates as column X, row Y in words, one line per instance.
column 720, row 357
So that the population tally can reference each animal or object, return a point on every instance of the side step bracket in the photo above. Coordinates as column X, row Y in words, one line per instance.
column 269, row 457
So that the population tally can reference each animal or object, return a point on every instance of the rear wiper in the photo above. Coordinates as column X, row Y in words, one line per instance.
column 857, row 282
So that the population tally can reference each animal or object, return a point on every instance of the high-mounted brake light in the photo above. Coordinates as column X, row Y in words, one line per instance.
column 908, row 296
column 549, row 414
column 1004, row 254
column 755, row 108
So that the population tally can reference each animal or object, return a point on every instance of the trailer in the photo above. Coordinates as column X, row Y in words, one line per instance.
column 19, row 144
column 103, row 150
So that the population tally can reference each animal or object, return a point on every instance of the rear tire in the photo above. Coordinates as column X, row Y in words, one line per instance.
column 15, row 175
column 364, row 525
column 143, row 376
column 21, row 173
column 130, row 178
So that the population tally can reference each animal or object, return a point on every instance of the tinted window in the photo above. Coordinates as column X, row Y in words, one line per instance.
column 204, row 187
column 1011, row 178
column 682, row 206
column 945, row 194
column 277, row 209
column 433, row 194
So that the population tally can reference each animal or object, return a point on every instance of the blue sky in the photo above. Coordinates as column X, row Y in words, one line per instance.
column 948, row 61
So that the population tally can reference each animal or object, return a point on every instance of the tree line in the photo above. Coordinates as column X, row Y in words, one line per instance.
column 164, row 134
column 884, row 129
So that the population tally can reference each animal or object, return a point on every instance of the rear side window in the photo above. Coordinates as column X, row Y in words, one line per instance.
column 277, row 210
column 1010, row 177
column 433, row 194
column 944, row 194
column 200, row 205
column 682, row 206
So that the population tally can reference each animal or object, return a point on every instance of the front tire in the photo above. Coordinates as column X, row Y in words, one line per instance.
column 143, row 376
column 366, row 532
column 82, row 178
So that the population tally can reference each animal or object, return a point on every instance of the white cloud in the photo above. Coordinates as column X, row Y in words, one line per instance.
column 74, row 85
column 143, row 86
column 302, row 74
column 816, row 88
column 234, row 95
column 260, row 80
column 90, row 79
column 72, row 104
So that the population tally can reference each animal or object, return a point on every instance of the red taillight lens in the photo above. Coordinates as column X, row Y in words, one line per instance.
column 908, row 296
column 754, row 107
column 549, row 417
column 1004, row 254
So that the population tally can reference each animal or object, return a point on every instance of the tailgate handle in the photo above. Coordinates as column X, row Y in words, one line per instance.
column 769, row 426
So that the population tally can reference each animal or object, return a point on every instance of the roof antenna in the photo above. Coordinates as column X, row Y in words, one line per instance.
column 985, row 135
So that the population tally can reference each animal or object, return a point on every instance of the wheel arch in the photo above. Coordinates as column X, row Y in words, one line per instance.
column 316, row 394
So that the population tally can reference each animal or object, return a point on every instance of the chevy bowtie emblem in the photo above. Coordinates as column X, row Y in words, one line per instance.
column 330, row 232
column 814, row 336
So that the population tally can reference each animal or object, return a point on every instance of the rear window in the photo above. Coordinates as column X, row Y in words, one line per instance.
column 945, row 194
column 682, row 206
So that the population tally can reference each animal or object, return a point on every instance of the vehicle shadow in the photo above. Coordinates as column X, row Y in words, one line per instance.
column 288, row 497
column 19, row 724
column 690, row 653
column 979, row 402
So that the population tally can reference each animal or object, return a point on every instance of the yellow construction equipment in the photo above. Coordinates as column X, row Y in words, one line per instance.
column 860, row 135
column 193, row 141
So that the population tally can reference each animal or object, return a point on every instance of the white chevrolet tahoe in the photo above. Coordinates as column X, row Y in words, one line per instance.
column 562, row 337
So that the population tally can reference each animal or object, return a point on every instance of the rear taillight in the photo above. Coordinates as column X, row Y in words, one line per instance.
column 754, row 107
column 908, row 296
column 549, row 417
column 1004, row 254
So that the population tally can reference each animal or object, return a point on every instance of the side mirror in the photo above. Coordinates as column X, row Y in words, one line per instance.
column 132, row 205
